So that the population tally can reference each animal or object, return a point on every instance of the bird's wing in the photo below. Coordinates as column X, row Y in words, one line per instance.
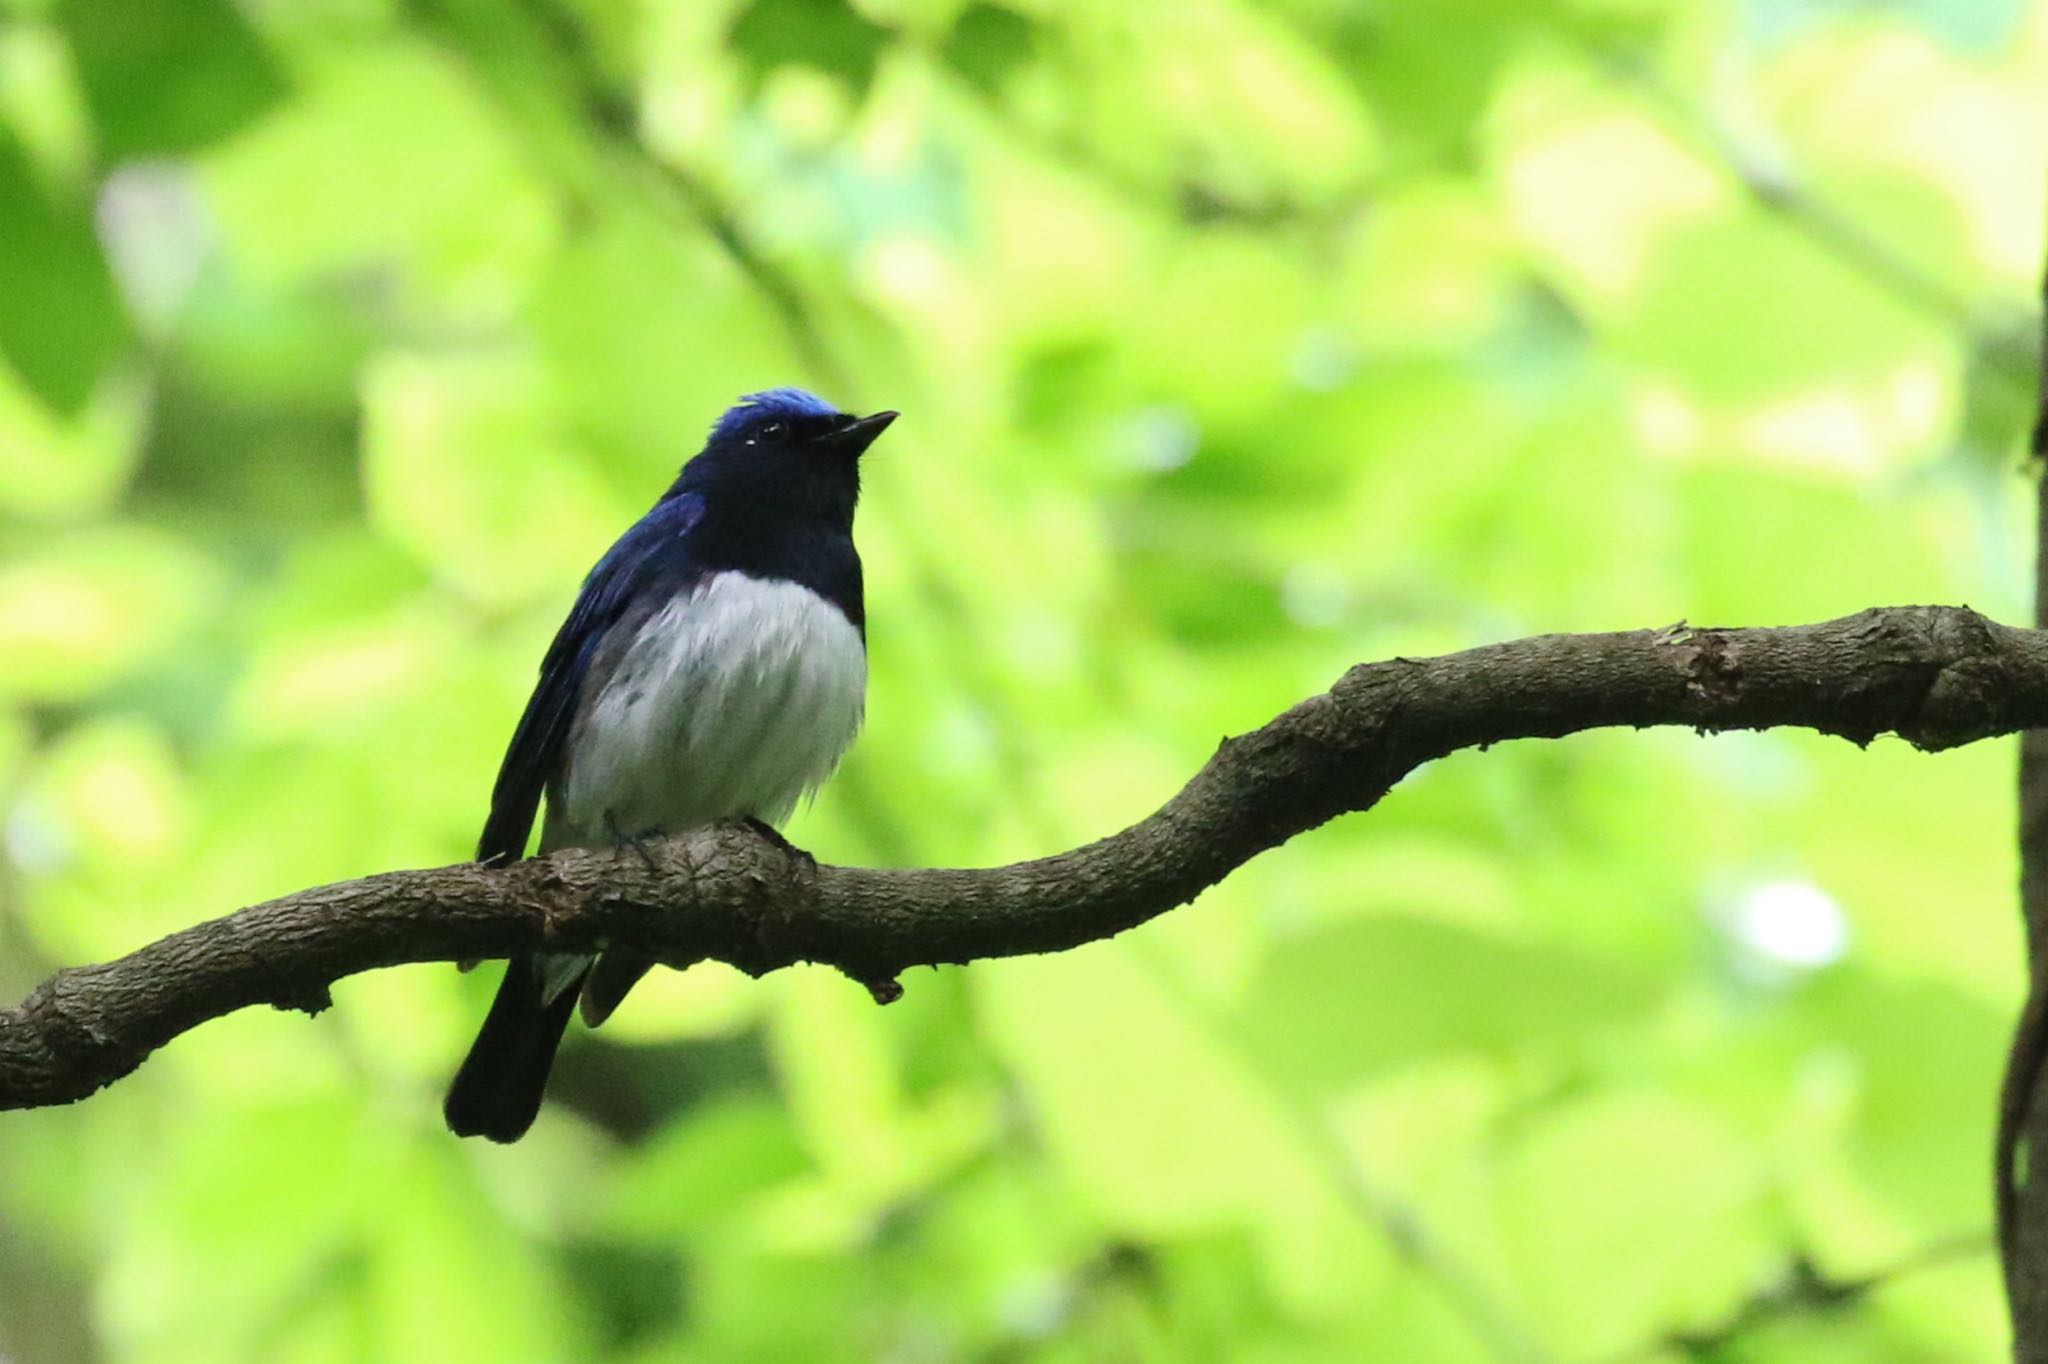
column 652, row 556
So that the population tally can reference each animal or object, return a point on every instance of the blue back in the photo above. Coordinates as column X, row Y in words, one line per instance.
column 652, row 557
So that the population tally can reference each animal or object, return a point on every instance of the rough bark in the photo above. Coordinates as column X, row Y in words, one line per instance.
column 1936, row 676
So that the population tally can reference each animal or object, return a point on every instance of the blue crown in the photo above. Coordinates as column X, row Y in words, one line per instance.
column 775, row 404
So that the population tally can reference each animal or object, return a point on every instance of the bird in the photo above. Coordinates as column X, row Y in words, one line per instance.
column 713, row 667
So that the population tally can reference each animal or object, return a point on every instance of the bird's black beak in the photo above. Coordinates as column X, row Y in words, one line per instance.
column 858, row 434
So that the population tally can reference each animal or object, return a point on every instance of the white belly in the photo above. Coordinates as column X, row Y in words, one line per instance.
column 735, row 700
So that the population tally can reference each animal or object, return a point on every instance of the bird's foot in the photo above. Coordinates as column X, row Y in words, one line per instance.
column 637, row 842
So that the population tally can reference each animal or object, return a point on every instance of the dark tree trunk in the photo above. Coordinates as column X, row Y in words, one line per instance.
column 2023, row 1124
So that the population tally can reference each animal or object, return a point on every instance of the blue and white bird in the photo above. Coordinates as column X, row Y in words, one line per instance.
column 714, row 667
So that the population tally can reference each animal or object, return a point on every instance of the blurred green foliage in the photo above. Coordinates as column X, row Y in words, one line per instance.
column 1237, row 342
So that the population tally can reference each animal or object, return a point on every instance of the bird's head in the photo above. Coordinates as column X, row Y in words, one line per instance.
column 788, row 444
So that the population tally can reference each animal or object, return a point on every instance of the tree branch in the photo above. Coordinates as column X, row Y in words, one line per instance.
column 1803, row 1289
column 1936, row 676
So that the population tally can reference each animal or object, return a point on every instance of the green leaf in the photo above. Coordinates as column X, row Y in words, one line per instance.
column 989, row 44
column 701, row 1171
column 1804, row 317
column 1163, row 1128
column 1331, row 1007
column 167, row 77
column 1429, row 69
column 79, row 612
column 60, row 317
column 1629, row 1210
column 1922, row 1058
column 393, row 160
column 826, row 35
column 53, row 466
column 464, row 464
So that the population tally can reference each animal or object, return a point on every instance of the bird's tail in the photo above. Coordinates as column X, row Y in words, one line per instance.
column 497, row 1092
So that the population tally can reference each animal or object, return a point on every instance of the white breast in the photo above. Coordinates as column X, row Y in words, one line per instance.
column 736, row 699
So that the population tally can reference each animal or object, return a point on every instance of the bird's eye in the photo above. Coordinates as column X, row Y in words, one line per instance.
column 775, row 430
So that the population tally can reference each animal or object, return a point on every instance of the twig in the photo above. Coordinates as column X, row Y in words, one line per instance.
column 1460, row 1286
column 1773, row 187
column 1803, row 1289
column 608, row 108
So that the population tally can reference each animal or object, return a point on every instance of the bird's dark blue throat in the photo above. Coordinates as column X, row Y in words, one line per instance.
column 778, row 481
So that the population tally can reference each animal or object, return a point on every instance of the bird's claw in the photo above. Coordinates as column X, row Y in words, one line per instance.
column 637, row 842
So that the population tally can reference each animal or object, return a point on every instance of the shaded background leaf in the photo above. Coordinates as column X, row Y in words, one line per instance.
column 165, row 77
column 60, row 319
